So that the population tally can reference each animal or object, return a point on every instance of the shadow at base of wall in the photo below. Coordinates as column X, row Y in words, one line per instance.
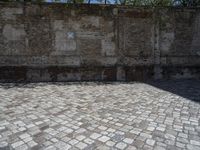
column 187, row 88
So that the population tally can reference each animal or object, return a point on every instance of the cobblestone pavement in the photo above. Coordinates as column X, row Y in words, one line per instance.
column 162, row 115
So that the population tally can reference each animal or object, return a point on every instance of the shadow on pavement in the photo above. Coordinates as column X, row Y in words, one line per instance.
column 189, row 89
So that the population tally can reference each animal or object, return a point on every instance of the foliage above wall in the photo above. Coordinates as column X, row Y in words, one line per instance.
column 185, row 3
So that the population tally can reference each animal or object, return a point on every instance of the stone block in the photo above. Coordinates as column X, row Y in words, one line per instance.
column 58, row 25
column 11, row 13
column 12, row 34
column 39, row 36
column 121, row 76
column 65, row 41
column 108, row 47
column 166, row 42
column 69, row 76
column 136, row 37
column 89, row 47
column 109, row 74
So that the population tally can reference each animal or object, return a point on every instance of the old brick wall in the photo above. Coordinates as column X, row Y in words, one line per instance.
column 57, row 42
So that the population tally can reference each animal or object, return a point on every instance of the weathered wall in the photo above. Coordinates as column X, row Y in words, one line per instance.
column 179, row 41
column 56, row 42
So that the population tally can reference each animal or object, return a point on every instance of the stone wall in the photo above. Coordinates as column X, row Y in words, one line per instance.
column 57, row 42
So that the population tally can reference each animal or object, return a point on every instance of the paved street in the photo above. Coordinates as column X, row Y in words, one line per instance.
column 50, row 116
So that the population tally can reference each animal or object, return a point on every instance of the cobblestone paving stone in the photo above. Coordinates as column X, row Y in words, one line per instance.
column 50, row 116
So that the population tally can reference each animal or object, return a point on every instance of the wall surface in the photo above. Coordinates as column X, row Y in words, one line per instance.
column 57, row 42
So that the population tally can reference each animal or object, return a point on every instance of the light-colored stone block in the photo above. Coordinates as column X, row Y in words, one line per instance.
column 11, row 33
column 10, row 13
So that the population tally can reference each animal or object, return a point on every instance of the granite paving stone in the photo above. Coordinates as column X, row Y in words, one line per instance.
column 93, row 115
